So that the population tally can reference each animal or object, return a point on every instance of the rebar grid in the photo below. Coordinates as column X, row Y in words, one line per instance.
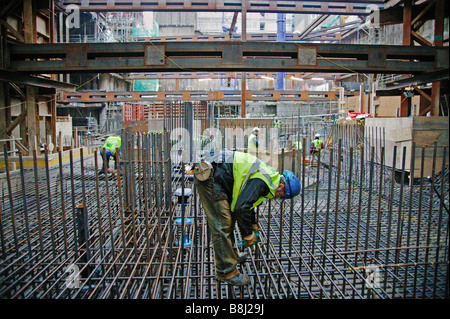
column 352, row 218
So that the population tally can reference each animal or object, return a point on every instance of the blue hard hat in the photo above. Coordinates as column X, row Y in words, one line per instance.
column 292, row 185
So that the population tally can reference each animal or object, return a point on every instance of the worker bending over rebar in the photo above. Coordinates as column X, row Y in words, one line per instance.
column 231, row 185
column 110, row 147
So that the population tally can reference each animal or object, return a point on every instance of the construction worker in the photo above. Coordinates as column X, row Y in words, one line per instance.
column 277, row 123
column 231, row 185
column 207, row 137
column 253, row 142
column 111, row 144
column 316, row 146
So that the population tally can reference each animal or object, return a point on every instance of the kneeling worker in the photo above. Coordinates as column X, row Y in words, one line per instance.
column 111, row 144
column 230, row 185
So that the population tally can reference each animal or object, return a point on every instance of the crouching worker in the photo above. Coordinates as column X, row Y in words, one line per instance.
column 230, row 185
column 111, row 144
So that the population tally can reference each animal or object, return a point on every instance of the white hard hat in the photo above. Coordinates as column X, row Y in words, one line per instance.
column 317, row 135
column 256, row 129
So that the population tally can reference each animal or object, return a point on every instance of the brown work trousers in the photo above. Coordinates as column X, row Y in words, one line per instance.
column 221, row 224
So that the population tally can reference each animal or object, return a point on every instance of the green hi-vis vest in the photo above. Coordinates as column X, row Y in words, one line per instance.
column 251, row 145
column 317, row 144
column 112, row 143
column 298, row 145
column 277, row 124
column 247, row 166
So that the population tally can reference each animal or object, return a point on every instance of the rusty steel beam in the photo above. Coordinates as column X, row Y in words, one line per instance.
column 347, row 7
column 255, row 36
column 438, row 41
column 224, row 56
column 394, row 14
column 333, row 33
column 219, row 75
column 15, row 77
column 417, row 80
column 232, row 95
column 318, row 21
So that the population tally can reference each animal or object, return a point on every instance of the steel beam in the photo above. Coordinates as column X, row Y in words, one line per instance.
column 15, row 77
column 223, row 75
column 438, row 41
column 219, row 56
column 347, row 7
column 257, row 36
column 201, row 75
column 235, row 95
column 405, row 108
column 318, row 21
column 420, row 79
column 394, row 14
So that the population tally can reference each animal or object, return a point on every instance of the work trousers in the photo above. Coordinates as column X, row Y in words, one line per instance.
column 115, row 161
column 221, row 223
column 315, row 158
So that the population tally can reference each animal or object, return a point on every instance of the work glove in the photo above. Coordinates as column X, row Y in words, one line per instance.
column 250, row 240
column 256, row 232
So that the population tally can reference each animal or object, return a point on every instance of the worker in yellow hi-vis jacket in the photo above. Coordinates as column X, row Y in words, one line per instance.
column 253, row 142
column 231, row 185
column 316, row 146
column 110, row 146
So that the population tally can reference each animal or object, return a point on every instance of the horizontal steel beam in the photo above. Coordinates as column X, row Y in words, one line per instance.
column 224, row 75
column 252, row 37
column 224, row 56
column 232, row 95
column 394, row 14
column 19, row 78
column 420, row 79
column 347, row 7
column 333, row 33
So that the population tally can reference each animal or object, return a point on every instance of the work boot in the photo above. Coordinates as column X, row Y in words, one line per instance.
column 238, row 280
column 242, row 257
column 250, row 239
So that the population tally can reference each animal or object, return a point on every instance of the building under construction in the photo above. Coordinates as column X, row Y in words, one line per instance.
column 181, row 80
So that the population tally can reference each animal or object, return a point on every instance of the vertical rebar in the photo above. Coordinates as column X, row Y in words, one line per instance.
column 11, row 201
column 99, row 213
column 63, row 206
column 25, row 207
column 49, row 197
column 389, row 218
column 84, row 206
column 439, row 222
column 38, row 206
column 398, row 241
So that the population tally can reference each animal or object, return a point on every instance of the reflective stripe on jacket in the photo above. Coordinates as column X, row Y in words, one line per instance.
column 251, row 142
column 317, row 144
column 111, row 144
column 246, row 167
